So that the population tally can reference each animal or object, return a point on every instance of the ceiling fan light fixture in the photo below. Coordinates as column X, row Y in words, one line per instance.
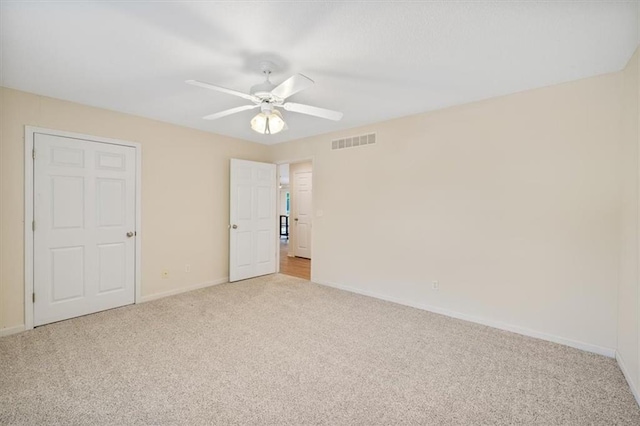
column 267, row 97
column 268, row 123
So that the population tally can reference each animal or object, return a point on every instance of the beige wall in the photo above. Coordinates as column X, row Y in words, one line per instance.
column 185, row 181
column 629, row 294
column 512, row 204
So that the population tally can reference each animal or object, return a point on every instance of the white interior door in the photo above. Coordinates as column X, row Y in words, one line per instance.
column 253, row 228
column 84, row 206
column 302, row 214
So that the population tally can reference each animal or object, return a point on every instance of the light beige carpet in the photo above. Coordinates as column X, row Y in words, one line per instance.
column 279, row 350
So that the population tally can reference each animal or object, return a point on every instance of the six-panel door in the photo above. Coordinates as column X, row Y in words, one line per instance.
column 302, row 220
column 253, row 228
column 84, row 206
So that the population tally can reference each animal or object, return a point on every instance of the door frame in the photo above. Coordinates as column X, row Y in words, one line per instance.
column 313, row 196
column 29, row 134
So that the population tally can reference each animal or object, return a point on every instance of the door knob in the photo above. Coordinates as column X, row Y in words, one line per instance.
column 296, row 219
column 130, row 234
column 234, row 226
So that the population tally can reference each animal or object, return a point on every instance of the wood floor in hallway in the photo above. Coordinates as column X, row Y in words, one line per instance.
column 293, row 266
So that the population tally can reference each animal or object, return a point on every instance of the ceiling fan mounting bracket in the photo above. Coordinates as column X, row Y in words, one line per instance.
column 267, row 68
column 263, row 90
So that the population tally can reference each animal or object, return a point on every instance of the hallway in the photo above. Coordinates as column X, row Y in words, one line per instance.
column 293, row 266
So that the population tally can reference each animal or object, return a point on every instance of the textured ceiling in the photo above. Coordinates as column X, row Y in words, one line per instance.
column 373, row 61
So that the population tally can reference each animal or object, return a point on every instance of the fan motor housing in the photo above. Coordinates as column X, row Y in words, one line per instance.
column 262, row 89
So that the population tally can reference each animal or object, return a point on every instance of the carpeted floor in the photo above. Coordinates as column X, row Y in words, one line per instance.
column 279, row 350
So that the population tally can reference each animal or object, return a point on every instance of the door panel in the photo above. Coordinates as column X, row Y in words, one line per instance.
column 244, row 251
column 84, row 205
column 111, row 199
column 110, row 161
column 67, row 273
column 112, row 261
column 67, row 202
column 252, row 212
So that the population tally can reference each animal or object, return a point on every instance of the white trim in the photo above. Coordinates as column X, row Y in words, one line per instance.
column 627, row 375
column 28, row 231
column 11, row 330
column 19, row 328
column 297, row 160
column 138, row 267
column 600, row 350
column 183, row 289
column 29, row 132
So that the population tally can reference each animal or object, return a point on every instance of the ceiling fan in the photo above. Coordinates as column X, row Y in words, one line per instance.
column 267, row 96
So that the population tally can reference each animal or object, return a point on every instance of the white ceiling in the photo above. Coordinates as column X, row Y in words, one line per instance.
column 373, row 61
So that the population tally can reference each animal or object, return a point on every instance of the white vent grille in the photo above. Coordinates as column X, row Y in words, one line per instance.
column 354, row 141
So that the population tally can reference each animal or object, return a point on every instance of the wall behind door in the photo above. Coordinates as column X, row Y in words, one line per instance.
column 185, row 193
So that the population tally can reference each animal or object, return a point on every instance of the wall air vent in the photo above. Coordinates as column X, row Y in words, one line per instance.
column 353, row 141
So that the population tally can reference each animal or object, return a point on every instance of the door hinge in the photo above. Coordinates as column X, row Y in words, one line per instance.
column 33, row 225
column 33, row 153
column 33, row 297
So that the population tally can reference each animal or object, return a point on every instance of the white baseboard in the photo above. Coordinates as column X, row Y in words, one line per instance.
column 625, row 372
column 11, row 330
column 600, row 350
column 173, row 292
column 20, row 328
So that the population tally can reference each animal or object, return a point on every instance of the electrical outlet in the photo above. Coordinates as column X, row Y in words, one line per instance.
column 435, row 285
column 164, row 273
column 187, row 268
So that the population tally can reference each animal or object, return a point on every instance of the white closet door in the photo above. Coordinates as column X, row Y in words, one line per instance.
column 84, row 211
column 253, row 228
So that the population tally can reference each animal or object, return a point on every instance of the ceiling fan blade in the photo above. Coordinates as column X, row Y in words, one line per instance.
column 292, row 85
column 311, row 110
column 223, row 90
column 229, row 112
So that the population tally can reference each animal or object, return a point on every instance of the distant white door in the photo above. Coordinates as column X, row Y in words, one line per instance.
column 84, row 206
column 253, row 228
column 302, row 215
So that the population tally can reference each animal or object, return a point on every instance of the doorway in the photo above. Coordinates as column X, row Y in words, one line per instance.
column 295, row 182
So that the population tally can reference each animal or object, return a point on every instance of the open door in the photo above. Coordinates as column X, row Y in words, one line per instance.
column 253, row 226
column 302, row 215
